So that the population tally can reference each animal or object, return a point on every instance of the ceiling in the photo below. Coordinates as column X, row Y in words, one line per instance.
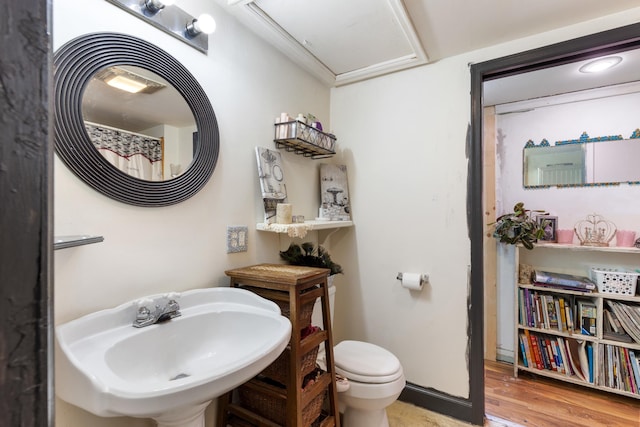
column 344, row 41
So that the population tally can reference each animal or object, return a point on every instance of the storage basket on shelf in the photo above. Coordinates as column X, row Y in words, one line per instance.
column 614, row 281
column 266, row 402
column 279, row 369
column 305, row 313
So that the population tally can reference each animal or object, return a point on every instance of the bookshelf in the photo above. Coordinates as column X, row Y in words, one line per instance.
column 549, row 332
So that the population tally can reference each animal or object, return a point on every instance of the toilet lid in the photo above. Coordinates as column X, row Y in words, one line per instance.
column 366, row 362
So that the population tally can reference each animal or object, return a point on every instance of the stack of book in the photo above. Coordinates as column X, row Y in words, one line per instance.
column 563, row 281
column 628, row 316
column 619, row 368
column 546, row 311
column 566, row 356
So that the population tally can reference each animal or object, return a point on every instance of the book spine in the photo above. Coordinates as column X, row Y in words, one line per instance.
column 543, row 350
column 536, row 350
column 563, row 356
column 558, row 314
column 590, row 361
column 635, row 366
column 552, row 359
column 525, row 360
column 559, row 358
column 528, row 307
column 563, row 315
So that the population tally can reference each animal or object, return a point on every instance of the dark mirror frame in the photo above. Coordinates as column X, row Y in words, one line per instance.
column 75, row 63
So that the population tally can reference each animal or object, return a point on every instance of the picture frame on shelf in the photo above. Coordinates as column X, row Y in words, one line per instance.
column 550, row 227
column 334, row 190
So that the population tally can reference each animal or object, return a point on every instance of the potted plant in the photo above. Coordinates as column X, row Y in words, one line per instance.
column 519, row 227
column 308, row 255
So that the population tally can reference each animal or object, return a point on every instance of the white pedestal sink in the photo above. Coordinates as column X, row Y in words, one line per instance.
column 168, row 371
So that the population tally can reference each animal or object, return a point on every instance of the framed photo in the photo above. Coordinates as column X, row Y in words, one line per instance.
column 551, row 225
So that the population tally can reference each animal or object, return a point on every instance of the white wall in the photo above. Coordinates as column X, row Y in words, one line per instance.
column 402, row 138
column 613, row 115
column 153, row 250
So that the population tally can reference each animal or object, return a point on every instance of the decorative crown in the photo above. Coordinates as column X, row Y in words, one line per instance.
column 595, row 231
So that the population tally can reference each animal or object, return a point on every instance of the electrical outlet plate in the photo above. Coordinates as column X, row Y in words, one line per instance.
column 237, row 238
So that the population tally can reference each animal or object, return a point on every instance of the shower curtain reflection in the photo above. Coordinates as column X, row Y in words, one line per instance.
column 137, row 155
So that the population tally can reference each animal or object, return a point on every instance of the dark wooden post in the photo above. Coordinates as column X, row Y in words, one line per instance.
column 26, row 140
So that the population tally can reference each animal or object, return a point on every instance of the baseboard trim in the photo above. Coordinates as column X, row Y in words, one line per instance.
column 437, row 401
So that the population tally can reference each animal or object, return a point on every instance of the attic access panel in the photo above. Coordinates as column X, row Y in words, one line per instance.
column 374, row 36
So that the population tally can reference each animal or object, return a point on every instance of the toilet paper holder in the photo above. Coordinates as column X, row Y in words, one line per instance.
column 424, row 278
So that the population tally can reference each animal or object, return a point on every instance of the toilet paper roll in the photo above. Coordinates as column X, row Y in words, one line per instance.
column 283, row 213
column 412, row 281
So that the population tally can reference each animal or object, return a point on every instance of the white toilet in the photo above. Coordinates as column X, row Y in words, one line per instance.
column 375, row 377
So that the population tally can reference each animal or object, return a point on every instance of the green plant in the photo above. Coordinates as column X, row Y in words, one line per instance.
column 308, row 255
column 519, row 227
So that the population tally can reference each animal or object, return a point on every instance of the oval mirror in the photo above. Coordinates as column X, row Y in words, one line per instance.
column 139, row 122
column 134, row 148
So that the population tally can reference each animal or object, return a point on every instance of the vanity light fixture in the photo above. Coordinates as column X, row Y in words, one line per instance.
column 600, row 64
column 172, row 20
column 155, row 6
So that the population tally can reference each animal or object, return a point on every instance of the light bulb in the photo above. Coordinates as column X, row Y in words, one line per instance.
column 155, row 6
column 204, row 24
column 600, row 64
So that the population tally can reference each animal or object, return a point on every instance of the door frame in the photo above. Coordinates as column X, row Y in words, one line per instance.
column 582, row 48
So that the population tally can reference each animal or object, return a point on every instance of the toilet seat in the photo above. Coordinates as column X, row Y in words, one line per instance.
column 366, row 363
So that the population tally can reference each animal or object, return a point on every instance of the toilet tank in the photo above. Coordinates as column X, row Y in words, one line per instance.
column 316, row 317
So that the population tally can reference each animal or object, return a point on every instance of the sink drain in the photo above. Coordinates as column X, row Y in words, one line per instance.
column 177, row 377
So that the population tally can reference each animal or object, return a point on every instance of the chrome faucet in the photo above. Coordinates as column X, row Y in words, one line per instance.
column 146, row 317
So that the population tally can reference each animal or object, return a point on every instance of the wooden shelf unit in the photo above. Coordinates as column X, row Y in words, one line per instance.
column 296, row 288
column 577, row 260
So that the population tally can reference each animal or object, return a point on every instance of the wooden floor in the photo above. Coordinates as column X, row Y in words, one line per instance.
column 532, row 400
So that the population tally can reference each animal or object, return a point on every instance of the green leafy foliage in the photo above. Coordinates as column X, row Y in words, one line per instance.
column 519, row 227
column 308, row 255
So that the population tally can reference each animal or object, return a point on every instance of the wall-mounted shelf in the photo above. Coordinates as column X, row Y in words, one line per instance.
column 309, row 225
column 301, row 229
column 63, row 242
column 303, row 139
column 580, row 248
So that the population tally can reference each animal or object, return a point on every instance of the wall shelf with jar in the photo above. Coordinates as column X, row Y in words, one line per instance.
column 300, row 138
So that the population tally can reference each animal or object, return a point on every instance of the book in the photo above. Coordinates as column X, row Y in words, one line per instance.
column 550, row 354
column 558, row 314
column 562, row 280
column 552, row 319
column 563, row 355
column 590, row 361
column 525, row 359
column 587, row 316
column 629, row 375
column 635, row 366
column 574, row 352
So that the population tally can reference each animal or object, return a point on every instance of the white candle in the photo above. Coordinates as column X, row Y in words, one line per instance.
column 283, row 213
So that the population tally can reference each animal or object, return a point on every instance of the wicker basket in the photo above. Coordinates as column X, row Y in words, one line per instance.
column 274, row 408
column 305, row 313
column 612, row 281
column 279, row 369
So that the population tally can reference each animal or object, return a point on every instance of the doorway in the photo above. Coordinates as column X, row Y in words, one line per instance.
column 592, row 46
